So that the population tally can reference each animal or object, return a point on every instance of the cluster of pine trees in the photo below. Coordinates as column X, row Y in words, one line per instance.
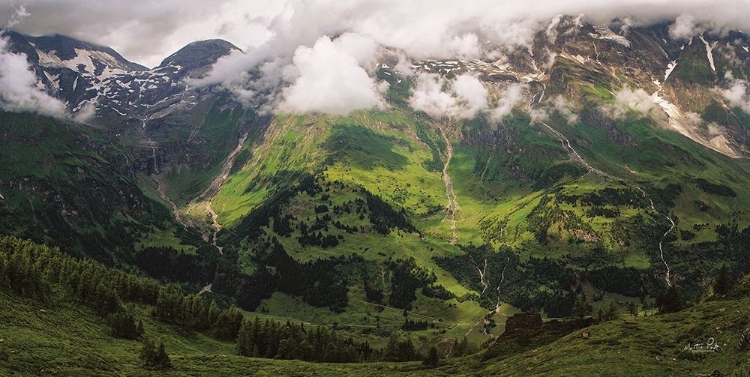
column 294, row 341
column 48, row 275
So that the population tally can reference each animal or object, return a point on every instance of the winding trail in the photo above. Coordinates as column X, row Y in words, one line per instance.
column 571, row 151
column 452, row 205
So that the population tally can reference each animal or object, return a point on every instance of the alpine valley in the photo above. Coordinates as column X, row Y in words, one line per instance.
column 593, row 220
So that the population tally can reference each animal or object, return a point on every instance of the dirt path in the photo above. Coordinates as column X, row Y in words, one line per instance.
column 397, row 309
column 450, row 194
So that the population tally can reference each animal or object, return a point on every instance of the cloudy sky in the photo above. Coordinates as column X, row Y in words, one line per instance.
column 319, row 55
column 146, row 31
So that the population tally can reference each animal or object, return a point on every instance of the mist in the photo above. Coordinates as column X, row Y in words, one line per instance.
column 319, row 55
column 19, row 90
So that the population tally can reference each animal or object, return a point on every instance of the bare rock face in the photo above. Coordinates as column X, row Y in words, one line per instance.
column 523, row 321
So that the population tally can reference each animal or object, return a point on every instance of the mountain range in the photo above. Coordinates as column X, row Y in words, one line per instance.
column 608, row 166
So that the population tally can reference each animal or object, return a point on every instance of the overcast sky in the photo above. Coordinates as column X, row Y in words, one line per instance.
column 320, row 55
column 147, row 31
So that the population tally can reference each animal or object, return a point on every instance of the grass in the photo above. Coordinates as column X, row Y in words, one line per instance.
column 63, row 339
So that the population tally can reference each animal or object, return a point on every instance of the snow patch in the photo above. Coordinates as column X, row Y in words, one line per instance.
column 670, row 67
column 709, row 49
column 53, row 79
column 687, row 125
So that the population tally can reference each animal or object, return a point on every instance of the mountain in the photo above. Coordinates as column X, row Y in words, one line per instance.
column 615, row 171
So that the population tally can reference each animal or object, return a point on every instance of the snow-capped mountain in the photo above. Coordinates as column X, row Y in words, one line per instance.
column 87, row 76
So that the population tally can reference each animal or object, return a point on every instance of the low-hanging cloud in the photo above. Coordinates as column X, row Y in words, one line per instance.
column 271, row 32
column 564, row 109
column 18, row 83
column 329, row 77
column 510, row 97
column 464, row 97
column 626, row 99
column 738, row 95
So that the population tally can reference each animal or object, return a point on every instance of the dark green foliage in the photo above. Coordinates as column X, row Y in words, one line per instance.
column 282, row 225
column 548, row 177
column 171, row 265
column 410, row 325
column 318, row 282
column 65, row 187
column 406, row 278
column 153, row 356
column 71, row 278
column 228, row 324
column 289, row 341
column 432, row 359
column 522, row 283
column 581, row 307
column 626, row 281
column 714, row 188
column 436, row 164
column 611, row 311
column 363, row 148
column 437, row 291
column 461, row 348
column 400, row 348
column 123, row 325
column 670, row 301
column 383, row 217
column 724, row 282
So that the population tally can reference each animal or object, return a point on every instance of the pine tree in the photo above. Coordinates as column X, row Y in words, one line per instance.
column 245, row 341
column 432, row 359
column 669, row 301
column 723, row 283
column 155, row 356
column 581, row 307
column 611, row 312
column 139, row 329
column 213, row 313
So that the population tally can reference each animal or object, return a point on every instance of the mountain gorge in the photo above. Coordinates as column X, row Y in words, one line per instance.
column 600, row 164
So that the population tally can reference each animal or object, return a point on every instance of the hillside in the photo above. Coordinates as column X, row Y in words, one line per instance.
column 68, row 337
column 599, row 165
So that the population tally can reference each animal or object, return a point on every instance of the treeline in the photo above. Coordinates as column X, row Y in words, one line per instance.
column 383, row 217
column 47, row 275
column 607, row 196
column 287, row 341
column 319, row 283
column 168, row 264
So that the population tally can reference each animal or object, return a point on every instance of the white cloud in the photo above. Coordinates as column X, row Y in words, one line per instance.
column 271, row 31
column 18, row 83
column 685, row 27
column 628, row 99
column 509, row 98
column 465, row 97
column 738, row 95
column 472, row 95
column 328, row 78
column 563, row 107
column 428, row 96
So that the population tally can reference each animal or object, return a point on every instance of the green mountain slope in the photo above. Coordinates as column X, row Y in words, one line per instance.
column 67, row 184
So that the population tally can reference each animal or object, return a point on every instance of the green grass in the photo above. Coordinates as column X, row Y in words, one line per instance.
column 63, row 339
